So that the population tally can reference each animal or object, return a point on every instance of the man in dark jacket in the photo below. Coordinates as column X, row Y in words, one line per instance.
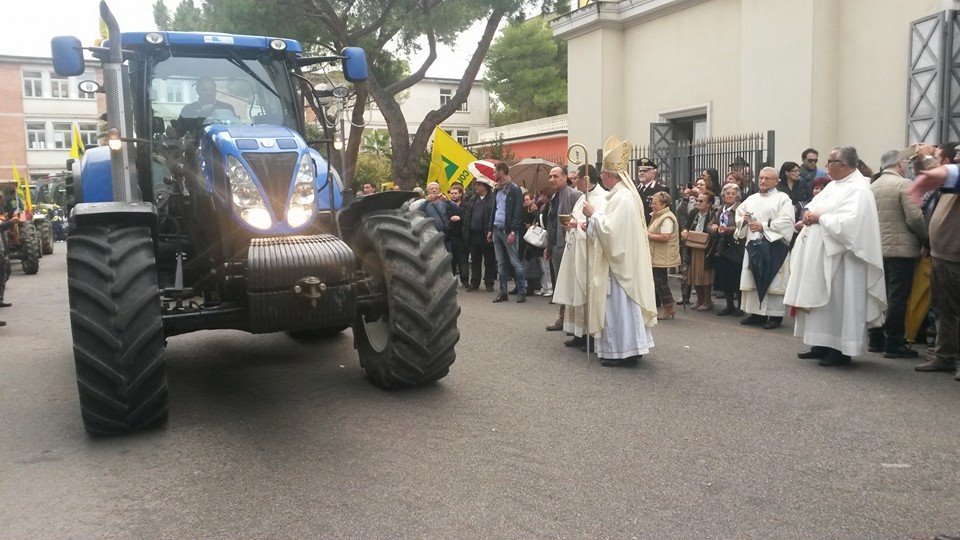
column 4, row 262
column 648, row 183
column 479, row 214
column 564, row 198
column 455, row 235
column 506, row 223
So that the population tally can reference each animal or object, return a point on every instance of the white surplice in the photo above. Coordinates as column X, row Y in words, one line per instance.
column 774, row 210
column 622, row 300
column 570, row 288
column 836, row 278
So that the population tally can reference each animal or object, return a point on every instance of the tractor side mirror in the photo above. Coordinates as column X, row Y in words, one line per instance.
column 67, row 56
column 354, row 64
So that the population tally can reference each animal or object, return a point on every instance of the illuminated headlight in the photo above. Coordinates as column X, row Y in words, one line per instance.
column 278, row 44
column 155, row 38
column 298, row 214
column 301, row 202
column 247, row 201
column 257, row 217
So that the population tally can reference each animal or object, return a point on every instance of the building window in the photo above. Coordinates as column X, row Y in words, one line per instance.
column 32, row 84
column 62, row 135
column 88, row 134
column 174, row 92
column 59, row 87
column 446, row 95
column 463, row 137
column 36, row 135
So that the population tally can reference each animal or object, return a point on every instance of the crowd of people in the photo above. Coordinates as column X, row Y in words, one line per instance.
column 836, row 247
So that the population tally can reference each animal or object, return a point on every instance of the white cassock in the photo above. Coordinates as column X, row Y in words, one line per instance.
column 836, row 275
column 775, row 211
column 622, row 302
column 571, row 286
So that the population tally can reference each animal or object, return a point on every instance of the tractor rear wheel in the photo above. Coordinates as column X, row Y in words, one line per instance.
column 29, row 248
column 408, row 341
column 118, row 342
column 46, row 237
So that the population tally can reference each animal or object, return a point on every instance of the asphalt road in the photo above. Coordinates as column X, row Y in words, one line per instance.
column 720, row 432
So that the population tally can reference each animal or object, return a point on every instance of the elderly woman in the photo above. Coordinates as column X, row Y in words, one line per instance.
column 747, row 188
column 698, row 274
column 664, row 235
column 727, row 253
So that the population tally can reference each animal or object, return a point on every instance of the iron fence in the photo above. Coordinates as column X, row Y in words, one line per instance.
column 682, row 162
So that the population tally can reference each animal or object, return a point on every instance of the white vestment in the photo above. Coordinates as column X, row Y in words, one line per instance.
column 622, row 300
column 775, row 212
column 836, row 275
column 570, row 289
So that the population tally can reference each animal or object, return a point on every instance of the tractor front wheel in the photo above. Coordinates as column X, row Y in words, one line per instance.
column 118, row 342
column 29, row 248
column 410, row 339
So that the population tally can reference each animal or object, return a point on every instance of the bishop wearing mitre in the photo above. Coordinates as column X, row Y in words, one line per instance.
column 622, row 305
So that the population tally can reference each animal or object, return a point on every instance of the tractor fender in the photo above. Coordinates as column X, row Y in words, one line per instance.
column 350, row 217
column 106, row 213
column 94, row 184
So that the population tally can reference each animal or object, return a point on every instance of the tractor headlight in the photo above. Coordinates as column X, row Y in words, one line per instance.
column 247, row 201
column 304, row 193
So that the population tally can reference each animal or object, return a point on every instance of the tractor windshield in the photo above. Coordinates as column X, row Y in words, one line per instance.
column 226, row 90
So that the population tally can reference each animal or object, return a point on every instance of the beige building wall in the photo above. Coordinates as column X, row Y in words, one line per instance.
column 818, row 72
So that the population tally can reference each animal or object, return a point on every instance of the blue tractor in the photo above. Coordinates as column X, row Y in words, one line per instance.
column 220, row 214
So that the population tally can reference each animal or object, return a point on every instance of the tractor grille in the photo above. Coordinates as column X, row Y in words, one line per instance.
column 275, row 172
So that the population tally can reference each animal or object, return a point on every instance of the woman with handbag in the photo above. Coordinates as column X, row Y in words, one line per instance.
column 664, row 237
column 727, row 252
column 531, row 244
column 697, row 239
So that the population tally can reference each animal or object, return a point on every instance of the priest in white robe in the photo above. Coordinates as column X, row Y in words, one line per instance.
column 836, row 275
column 570, row 289
column 622, row 305
column 768, row 214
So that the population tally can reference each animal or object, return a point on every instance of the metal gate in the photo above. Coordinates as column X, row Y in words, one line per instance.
column 682, row 162
column 933, row 92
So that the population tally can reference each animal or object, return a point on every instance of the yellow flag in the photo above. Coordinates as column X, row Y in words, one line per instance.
column 76, row 145
column 448, row 162
column 23, row 189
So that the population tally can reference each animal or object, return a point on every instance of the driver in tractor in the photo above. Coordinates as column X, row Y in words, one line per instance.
column 206, row 102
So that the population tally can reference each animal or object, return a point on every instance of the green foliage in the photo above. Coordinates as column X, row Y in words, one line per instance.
column 371, row 168
column 161, row 15
column 526, row 69
column 187, row 17
column 376, row 142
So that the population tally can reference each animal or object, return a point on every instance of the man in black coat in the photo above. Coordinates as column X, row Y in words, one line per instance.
column 475, row 229
column 506, row 224
column 4, row 263
column 648, row 183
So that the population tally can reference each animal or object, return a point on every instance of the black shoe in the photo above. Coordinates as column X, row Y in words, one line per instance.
column 574, row 342
column 752, row 320
column 593, row 346
column 738, row 313
column 834, row 358
column 472, row 288
column 501, row 298
column 683, row 302
column 514, row 291
column 815, row 352
column 489, row 288
column 521, row 298
column 726, row 311
column 901, row 352
column 620, row 362
column 773, row 322
column 5, row 304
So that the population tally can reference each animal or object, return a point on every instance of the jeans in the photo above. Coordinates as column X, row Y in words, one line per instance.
column 507, row 256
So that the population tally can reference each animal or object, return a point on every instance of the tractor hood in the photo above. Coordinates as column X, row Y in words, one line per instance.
column 261, row 174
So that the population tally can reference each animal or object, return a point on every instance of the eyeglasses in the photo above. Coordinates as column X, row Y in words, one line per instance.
column 832, row 161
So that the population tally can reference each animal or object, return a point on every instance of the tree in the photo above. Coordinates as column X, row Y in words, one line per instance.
column 526, row 69
column 387, row 30
column 495, row 150
column 161, row 15
column 376, row 142
column 371, row 168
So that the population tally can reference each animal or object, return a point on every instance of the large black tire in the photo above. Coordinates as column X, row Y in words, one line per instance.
column 118, row 342
column 412, row 343
column 46, row 237
column 29, row 248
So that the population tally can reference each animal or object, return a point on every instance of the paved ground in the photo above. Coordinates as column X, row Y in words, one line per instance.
column 721, row 432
